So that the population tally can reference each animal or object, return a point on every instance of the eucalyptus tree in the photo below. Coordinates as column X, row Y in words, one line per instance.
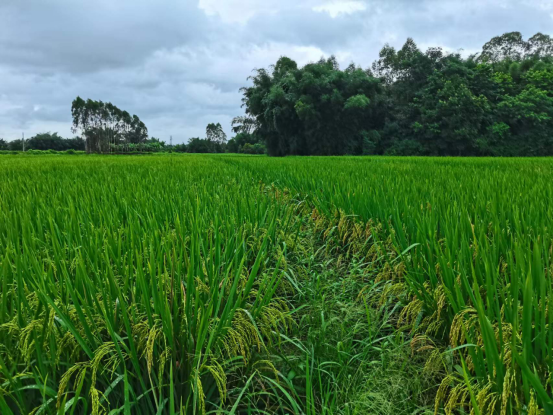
column 137, row 133
column 512, row 47
column 215, row 134
column 244, row 124
column 105, row 127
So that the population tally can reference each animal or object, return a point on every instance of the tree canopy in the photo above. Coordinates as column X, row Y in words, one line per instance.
column 411, row 102
column 105, row 127
column 215, row 134
column 45, row 141
column 52, row 141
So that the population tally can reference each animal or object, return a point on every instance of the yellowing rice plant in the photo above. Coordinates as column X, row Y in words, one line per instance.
column 231, row 284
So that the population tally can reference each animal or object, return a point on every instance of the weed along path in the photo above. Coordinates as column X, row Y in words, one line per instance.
column 235, row 284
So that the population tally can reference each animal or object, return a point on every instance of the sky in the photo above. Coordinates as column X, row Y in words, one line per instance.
column 179, row 64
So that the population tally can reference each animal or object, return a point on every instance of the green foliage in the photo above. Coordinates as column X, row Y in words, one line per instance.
column 430, row 103
column 357, row 102
column 42, row 152
column 105, row 127
column 145, row 286
column 317, row 109
column 256, row 148
column 511, row 47
column 237, row 284
column 371, row 140
column 470, row 269
column 215, row 142
column 201, row 145
column 44, row 141
column 246, row 143
column 15, row 145
column 52, row 141
column 405, row 148
column 244, row 124
column 215, row 134
column 180, row 148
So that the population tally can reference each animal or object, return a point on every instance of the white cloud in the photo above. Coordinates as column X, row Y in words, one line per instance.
column 238, row 11
column 340, row 7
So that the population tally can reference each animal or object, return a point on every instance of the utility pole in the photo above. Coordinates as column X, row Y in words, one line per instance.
column 171, row 145
column 23, row 139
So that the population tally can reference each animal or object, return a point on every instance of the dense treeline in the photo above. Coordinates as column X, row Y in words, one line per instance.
column 54, row 142
column 216, row 141
column 44, row 141
column 498, row 102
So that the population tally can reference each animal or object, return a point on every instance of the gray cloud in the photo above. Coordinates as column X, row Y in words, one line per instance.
column 178, row 64
column 78, row 36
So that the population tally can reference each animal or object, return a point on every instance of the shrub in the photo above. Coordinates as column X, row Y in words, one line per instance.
column 406, row 148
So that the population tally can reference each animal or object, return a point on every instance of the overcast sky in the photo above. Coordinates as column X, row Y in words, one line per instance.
column 179, row 64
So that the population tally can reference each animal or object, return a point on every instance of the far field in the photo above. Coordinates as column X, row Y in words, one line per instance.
column 227, row 284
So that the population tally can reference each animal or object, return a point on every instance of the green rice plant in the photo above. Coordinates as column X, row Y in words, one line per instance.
column 135, row 287
column 474, row 237
column 234, row 284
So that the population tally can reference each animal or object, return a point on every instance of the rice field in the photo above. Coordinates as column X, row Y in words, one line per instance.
column 195, row 284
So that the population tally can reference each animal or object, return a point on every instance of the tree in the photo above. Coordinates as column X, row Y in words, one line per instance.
column 46, row 141
column 75, row 143
column 411, row 102
column 317, row 109
column 105, row 127
column 529, row 118
column 15, row 145
column 257, row 148
column 237, row 143
column 244, row 124
column 137, row 132
column 180, row 148
column 539, row 46
column 198, row 145
column 215, row 134
column 509, row 46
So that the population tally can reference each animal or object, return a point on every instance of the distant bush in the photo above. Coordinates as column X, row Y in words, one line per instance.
column 41, row 152
column 246, row 143
column 405, row 148
column 180, row 148
column 34, row 152
column 256, row 148
column 203, row 145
